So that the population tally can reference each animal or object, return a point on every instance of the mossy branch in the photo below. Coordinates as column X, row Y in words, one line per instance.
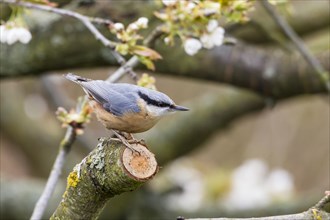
column 109, row 170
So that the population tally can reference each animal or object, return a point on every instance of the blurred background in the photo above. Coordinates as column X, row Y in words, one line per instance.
column 252, row 144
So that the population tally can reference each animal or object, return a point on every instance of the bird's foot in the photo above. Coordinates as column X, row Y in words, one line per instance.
column 126, row 142
column 130, row 138
column 138, row 141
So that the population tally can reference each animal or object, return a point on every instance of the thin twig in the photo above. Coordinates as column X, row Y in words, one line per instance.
column 309, row 214
column 134, row 61
column 87, row 21
column 101, row 21
column 291, row 34
column 84, row 19
column 320, row 205
column 65, row 147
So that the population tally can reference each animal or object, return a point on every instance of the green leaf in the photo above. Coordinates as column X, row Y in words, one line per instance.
column 122, row 49
column 145, row 52
column 147, row 62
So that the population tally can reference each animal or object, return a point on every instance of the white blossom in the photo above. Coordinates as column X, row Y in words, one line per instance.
column 118, row 26
column 215, row 38
column 13, row 34
column 190, row 6
column 212, row 25
column 190, row 180
column 255, row 186
column 24, row 35
column 206, row 41
column 133, row 27
column 167, row 40
column 212, row 8
column 169, row 2
column 142, row 22
column 280, row 184
column 3, row 34
column 192, row 46
column 247, row 189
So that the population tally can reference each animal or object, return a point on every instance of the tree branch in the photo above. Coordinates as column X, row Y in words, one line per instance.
column 64, row 149
column 110, row 169
column 320, row 205
column 87, row 21
column 269, row 73
column 289, row 32
column 55, row 174
column 84, row 19
column 126, row 67
column 134, row 61
column 316, row 212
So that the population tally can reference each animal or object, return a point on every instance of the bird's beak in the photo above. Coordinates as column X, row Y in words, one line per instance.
column 179, row 108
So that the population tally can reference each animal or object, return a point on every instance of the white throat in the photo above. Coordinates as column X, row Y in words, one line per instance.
column 158, row 111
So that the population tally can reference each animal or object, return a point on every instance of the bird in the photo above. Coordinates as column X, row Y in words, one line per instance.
column 125, row 108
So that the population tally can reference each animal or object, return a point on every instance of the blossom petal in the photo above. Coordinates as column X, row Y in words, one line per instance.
column 118, row 26
column 12, row 36
column 218, row 36
column 169, row 2
column 207, row 41
column 142, row 22
column 3, row 34
column 24, row 35
column 212, row 25
column 192, row 46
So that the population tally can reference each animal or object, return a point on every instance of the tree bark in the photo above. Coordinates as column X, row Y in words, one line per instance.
column 270, row 73
column 109, row 170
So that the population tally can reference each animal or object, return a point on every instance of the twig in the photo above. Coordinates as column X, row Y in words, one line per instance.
column 84, row 19
column 325, row 200
column 126, row 67
column 291, row 34
column 87, row 21
column 100, row 20
column 134, row 61
column 94, row 180
column 315, row 212
column 58, row 97
column 123, row 69
column 65, row 147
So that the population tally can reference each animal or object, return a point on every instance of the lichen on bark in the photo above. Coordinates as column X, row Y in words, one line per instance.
column 109, row 170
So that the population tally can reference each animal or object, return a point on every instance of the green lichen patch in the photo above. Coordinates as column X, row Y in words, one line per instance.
column 73, row 179
column 97, row 159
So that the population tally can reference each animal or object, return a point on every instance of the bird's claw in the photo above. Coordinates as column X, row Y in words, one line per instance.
column 138, row 141
column 127, row 143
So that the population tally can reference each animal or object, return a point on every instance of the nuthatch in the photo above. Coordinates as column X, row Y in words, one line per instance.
column 126, row 107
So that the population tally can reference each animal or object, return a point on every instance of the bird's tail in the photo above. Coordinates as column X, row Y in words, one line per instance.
column 75, row 78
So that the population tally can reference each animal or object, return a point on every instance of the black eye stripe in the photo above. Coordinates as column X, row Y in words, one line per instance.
column 152, row 101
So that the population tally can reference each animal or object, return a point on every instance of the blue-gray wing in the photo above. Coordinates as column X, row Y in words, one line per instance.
column 115, row 98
